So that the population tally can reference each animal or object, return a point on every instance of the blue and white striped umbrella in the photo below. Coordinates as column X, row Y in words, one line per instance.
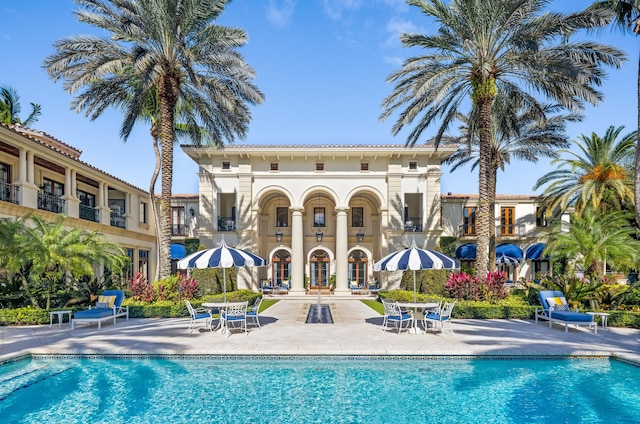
column 223, row 257
column 507, row 260
column 414, row 259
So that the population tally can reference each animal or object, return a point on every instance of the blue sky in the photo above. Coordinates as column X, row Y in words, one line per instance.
column 322, row 65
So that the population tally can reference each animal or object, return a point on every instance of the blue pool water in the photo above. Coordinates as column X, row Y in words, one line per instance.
column 318, row 391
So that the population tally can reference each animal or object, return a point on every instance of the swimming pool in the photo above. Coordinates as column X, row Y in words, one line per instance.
column 322, row 390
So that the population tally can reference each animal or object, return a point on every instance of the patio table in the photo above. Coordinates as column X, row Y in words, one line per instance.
column 415, row 306
column 216, row 305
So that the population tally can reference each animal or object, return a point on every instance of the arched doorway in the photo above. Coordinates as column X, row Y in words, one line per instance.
column 319, row 270
column 281, row 267
column 358, row 267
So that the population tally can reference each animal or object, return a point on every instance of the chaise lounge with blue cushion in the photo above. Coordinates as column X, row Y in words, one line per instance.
column 109, row 306
column 556, row 310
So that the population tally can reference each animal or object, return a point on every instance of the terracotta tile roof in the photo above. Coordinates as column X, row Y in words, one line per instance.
column 498, row 196
column 60, row 147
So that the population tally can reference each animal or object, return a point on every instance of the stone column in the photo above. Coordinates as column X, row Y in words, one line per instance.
column 342, row 246
column 297, row 251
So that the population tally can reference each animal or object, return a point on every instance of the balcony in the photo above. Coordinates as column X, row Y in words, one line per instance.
column 9, row 192
column 118, row 220
column 226, row 223
column 178, row 230
column 467, row 230
column 89, row 213
column 511, row 230
column 49, row 202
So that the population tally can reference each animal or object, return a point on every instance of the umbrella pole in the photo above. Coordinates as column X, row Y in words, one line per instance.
column 414, row 286
column 224, row 284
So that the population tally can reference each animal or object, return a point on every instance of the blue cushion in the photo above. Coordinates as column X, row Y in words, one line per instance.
column 200, row 316
column 119, row 294
column 93, row 313
column 252, row 313
column 431, row 315
column 402, row 317
column 571, row 316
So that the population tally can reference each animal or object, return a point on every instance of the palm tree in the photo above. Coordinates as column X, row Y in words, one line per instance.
column 486, row 46
column 10, row 108
column 627, row 17
column 597, row 175
column 523, row 132
column 174, row 48
column 594, row 238
column 43, row 254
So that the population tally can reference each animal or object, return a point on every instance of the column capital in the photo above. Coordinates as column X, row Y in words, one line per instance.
column 344, row 209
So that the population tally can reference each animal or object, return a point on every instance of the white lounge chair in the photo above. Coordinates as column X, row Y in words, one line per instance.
column 109, row 306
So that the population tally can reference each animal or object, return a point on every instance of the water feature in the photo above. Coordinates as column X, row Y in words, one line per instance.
column 319, row 314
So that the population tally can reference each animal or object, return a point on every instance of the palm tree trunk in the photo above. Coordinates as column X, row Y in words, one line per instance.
column 636, row 191
column 168, row 94
column 152, row 186
column 493, row 178
column 485, row 214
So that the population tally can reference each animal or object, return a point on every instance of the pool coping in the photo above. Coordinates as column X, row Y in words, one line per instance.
column 313, row 357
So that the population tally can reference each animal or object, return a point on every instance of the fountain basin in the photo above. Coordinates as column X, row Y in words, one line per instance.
column 319, row 314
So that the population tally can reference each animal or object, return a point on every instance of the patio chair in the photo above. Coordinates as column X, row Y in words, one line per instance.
column 108, row 306
column 234, row 316
column 355, row 287
column 440, row 317
column 266, row 287
column 373, row 286
column 199, row 314
column 556, row 310
column 253, row 312
column 282, row 288
column 393, row 314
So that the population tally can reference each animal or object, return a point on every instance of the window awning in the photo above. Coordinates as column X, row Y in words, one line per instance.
column 534, row 253
column 466, row 252
column 510, row 250
column 178, row 251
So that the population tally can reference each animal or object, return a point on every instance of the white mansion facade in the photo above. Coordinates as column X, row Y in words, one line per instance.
column 322, row 214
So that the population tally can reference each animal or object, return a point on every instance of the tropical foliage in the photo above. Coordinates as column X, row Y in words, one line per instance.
column 467, row 287
column 596, row 173
column 594, row 239
column 173, row 48
column 485, row 47
column 10, row 108
column 50, row 258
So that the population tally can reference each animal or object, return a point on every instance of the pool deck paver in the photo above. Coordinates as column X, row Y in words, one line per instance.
column 357, row 331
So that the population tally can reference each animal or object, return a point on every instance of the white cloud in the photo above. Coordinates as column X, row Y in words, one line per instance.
column 397, row 26
column 335, row 8
column 280, row 14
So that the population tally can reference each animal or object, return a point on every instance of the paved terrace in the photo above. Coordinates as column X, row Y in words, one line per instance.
column 357, row 331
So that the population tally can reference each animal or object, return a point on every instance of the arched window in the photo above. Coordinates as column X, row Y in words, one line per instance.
column 358, row 267
column 319, row 270
column 281, row 267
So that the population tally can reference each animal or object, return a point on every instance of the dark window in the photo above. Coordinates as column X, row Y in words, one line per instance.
column 226, row 165
column 319, row 166
column 282, row 219
column 413, row 165
column 52, row 188
column 143, row 213
column 364, row 166
column 357, row 216
column 541, row 217
column 318, row 217
column 469, row 221
column 274, row 166
column 177, row 221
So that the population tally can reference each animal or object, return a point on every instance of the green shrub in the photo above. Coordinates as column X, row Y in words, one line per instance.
column 24, row 316
column 210, row 280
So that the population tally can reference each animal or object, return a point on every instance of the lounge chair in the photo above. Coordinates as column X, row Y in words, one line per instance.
column 109, row 306
column 440, row 316
column 556, row 310
column 373, row 286
column 355, row 287
column 253, row 312
column 266, row 287
column 200, row 314
column 282, row 288
column 393, row 314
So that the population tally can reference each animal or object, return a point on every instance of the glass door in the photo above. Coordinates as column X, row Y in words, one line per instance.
column 319, row 270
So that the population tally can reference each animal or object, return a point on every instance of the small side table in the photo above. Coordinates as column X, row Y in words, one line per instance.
column 603, row 316
column 60, row 315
